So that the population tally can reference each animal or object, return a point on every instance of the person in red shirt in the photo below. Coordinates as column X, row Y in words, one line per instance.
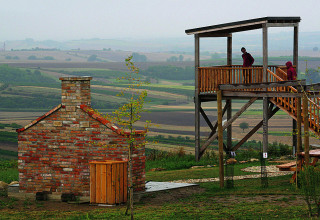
column 248, row 60
column 291, row 72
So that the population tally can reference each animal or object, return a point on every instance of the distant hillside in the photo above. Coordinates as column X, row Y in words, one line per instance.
column 277, row 41
column 11, row 75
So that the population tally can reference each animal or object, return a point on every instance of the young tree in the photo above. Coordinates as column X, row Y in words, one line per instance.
column 243, row 125
column 128, row 114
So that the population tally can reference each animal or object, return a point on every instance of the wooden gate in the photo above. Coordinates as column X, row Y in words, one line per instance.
column 108, row 182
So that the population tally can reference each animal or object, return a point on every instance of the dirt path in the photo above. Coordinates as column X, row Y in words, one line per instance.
column 272, row 172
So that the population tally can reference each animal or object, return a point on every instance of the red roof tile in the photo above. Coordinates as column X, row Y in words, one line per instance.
column 107, row 123
column 90, row 112
column 40, row 118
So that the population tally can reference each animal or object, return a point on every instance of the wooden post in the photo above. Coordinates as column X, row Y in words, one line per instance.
column 265, row 127
column 306, row 129
column 220, row 138
column 298, row 131
column 196, row 98
column 265, row 52
column 295, row 46
column 294, row 136
column 229, row 129
column 229, row 50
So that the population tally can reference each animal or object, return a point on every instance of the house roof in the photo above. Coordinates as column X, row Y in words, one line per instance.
column 40, row 118
column 91, row 112
column 245, row 25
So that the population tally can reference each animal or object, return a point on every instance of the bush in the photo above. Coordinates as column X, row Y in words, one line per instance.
column 9, row 171
column 309, row 179
column 177, row 159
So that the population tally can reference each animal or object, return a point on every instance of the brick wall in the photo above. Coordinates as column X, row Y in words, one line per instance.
column 54, row 151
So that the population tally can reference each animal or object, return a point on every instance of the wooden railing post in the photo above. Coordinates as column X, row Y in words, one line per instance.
column 306, row 129
column 298, row 131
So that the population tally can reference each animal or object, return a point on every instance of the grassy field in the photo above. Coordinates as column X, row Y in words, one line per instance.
column 247, row 200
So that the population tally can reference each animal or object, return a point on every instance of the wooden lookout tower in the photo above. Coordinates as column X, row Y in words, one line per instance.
column 267, row 83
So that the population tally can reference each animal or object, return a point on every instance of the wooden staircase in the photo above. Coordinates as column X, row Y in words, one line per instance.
column 289, row 104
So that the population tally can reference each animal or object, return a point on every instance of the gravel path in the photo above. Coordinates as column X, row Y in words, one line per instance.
column 272, row 171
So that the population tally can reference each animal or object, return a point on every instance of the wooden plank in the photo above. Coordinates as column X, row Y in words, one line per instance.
column 220, row 138
column 98, row 183
column 121, row 183
column 104, row 183
column 117, row 185
column 229, row 122
column 92, row 183
column 262, row 85
column 286, row 165
column 254, row 130
column 125, row 182
column 109, row 184
column 113, row 183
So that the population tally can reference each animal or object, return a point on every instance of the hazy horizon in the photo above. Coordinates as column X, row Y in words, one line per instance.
column 141, row 19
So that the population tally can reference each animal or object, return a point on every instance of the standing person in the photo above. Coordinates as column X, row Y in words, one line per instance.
column 291, row 72
column 247, row 62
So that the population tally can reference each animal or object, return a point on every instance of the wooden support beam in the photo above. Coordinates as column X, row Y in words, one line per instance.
column 265, row 52
column 229, row 128
column 254, row 130
column 306, row 130
column 265, row 126
column 196, row 98
column 295, row 46
column 214, row 35
column 294, row 137
column 229, row 50
column 312, row 87
column 281, row 24
column 263, row 85
column 216, row 122
column 220, row 138
column 261, row 94
column 229, row 122
column 206, row 119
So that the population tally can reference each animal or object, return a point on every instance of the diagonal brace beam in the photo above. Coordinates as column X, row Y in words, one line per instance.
column 216, row 122
column 229, row 122
column 255, row 129
column 206, row 119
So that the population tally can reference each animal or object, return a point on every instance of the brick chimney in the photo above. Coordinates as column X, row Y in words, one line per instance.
column 75, row 91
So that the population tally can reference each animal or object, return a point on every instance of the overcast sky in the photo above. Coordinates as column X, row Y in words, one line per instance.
column 117, row 19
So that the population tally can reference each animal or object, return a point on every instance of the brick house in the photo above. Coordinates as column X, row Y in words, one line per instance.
column 54, row 150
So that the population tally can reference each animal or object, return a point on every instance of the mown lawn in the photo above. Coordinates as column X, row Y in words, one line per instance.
column 247, row 200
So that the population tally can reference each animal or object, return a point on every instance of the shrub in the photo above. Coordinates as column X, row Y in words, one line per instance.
column 309, row 179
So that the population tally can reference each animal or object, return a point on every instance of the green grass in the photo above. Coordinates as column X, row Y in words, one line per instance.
column 196, row 173
column 9, row 171
column 246, row 201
